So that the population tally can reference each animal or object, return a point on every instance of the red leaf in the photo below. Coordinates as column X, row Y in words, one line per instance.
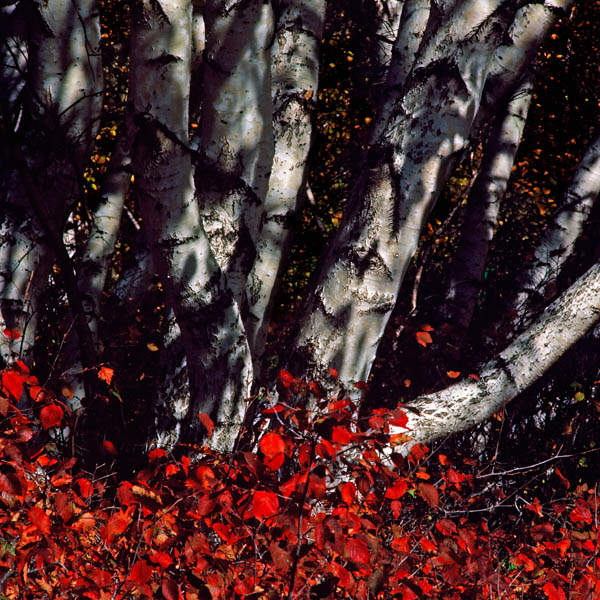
column 156, row 454
column 170, row 590
column 206, row 477
column 357, row 551
column 565, row 481
column 264, row 505
column 272, row 444
column 397, row 490
column 348, row 492
column 553, row 592
column 286, row 378
column 85, row 488
column 106, row 374
column 427, row 545
column 40, row 519
column 64, row 506
column 4, row 404
column 341, row 436
column 51, row 416
column 207, row 422
column 429, row 493
column 116, row 525
column 12, row 382
column 581, row 514
column 398, row 417
column 162, row 559
column 141, row 572
column 535, row 507
column 109, row 448
column 423, row 338
column 334, row 373
column 12, row 334
column 417, row 452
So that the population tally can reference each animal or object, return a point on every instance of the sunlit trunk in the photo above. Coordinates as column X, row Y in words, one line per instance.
column 470, row 402
column 217, row 354
column 295, row 75
column 236, row 133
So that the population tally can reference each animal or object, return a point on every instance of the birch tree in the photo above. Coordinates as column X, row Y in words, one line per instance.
column 217, row 206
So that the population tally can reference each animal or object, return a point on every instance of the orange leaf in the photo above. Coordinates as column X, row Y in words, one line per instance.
column 51, row 416
column 453, row 374
column 423, row 338
column 426, row 327
column 106, row 374
column 207, row 422
column 40, row 519
column 116, row 525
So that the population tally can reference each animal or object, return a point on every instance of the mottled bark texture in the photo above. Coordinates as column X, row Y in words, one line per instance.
column 526, row 359
column 216, row 350
column 236, row 138
column 52, row 122
column 295, row 75
column 421, row 136
column 538, row 283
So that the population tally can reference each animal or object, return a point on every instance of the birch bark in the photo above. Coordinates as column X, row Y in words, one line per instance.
column 236, row 133
column 295, row 76
column 421, row 138
column 468, row 402
column 538, row 282
column 55, row 129
column 217, row 354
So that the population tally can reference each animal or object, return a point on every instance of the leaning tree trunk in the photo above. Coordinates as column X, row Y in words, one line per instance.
column 422, row 137
column 62, row 104
column 538, row 283
column 295, row 76
column 217, row 353
column 483, row 205
column 470, row 402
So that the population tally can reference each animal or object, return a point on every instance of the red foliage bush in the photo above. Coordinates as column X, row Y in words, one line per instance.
column 318, row 511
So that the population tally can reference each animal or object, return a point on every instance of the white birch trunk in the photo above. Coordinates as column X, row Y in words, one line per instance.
column 483, row 205
column 295, row 75
column 61, row 107
column 218, row 360
column 469, row 402
column 538, row 282
column 237, row 134
column 104, row 230
column 344, row 318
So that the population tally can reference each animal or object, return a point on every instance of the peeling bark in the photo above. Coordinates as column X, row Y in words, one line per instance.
column 422, row 137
